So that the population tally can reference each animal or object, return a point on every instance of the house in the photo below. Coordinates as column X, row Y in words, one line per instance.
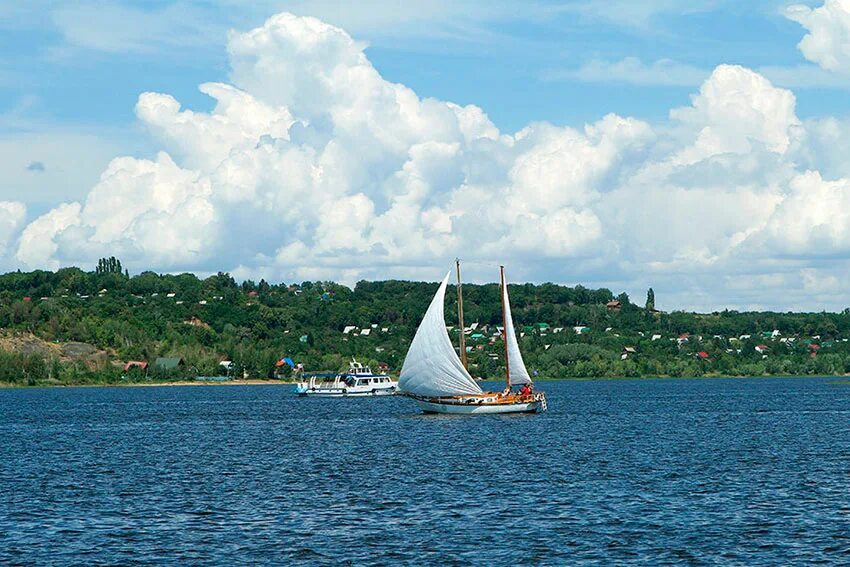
column 141, row 364
column 656, row 337
column 365, row 332
column 195, row 322
column 614, row 305
column 557, row 329
column 761, row 349
column 170, row 294
column 169, row 362
column 543, row 326
column 348, row 329
column 702, row 355
column 627, row 351
column 580, row 330
column 477, row 336
column 253, row 294
column 744, row 337
column 304, row 338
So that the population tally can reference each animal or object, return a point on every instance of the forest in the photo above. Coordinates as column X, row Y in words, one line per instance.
column 71, row 326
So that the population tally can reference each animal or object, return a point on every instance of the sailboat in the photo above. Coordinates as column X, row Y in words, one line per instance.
column 439, row 382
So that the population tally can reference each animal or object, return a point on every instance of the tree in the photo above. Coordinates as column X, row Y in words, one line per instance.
column 111, row 265
column 650, row 300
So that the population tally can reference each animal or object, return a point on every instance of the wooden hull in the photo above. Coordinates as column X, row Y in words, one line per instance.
column 482, row 405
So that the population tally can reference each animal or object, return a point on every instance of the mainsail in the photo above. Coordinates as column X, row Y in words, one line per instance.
column 516, row 367
column 431, row 367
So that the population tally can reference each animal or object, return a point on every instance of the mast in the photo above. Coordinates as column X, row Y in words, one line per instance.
column 460, row 318
column 505, row 328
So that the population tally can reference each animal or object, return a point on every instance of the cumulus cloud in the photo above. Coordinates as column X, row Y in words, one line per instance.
column 312, row 165
column 37, row 245
column 12, row 214
column 827, row 42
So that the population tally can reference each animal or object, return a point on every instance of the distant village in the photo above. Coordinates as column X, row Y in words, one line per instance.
column 156, row 326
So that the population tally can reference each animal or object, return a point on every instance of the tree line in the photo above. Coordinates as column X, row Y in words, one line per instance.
column 254, row 324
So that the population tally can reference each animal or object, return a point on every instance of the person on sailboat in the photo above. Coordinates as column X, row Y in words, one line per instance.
column 525, row 390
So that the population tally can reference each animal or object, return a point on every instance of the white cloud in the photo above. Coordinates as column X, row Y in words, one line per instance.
column 633, row 71
column 116, row 27
column 737, row 107
column 813, row 218
column 37, row 243
column 312, row 165
column 12, row 215
column 668, row 72
column 828, row 40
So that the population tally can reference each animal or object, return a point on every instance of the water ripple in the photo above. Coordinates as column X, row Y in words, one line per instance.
column 667, row 472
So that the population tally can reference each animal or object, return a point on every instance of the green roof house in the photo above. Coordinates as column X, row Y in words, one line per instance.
column 169, row 363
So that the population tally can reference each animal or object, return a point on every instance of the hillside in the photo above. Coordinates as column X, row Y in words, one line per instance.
column 109, row 318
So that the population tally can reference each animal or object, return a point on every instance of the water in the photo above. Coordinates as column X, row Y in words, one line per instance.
column 753, row 472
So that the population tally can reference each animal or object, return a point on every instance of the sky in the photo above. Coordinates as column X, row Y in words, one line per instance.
column 698, row 148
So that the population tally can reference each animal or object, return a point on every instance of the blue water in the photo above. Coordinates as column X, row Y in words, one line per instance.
column 739, row 472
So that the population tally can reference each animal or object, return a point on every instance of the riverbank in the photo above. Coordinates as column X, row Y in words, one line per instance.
column 839, row 379
column 249, row 382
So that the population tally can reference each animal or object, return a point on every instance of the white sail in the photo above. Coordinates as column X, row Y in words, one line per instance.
column 432, row 367
column 516, row 367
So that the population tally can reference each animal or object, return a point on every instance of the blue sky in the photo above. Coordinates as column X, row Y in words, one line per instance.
column 71, row 76
column 516, row 66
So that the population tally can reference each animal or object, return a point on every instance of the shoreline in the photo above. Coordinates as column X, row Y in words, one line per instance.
column 249, row 382
column 839, row 379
